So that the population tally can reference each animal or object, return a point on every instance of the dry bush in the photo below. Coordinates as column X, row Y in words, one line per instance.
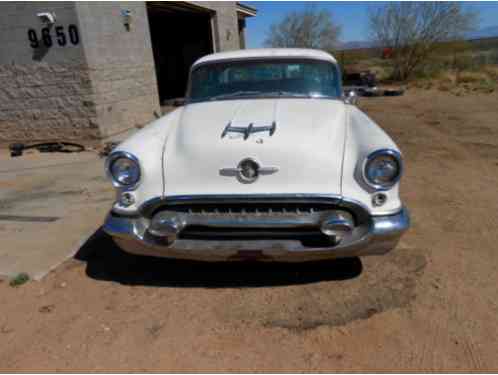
column 307, row 28
column 413, row 29
column 492, row 72
column 473, row 81
column 459, row 82
column 445, row 86
column 471, row 77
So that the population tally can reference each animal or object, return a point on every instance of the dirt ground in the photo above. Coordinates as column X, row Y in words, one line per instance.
column 432, row 304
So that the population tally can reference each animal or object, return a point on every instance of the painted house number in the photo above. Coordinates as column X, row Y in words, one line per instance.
column 59, row 35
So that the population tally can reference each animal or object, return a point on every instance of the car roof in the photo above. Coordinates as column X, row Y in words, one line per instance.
column 263, row 53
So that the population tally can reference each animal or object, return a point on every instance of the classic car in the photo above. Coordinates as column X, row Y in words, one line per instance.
column 265, row 160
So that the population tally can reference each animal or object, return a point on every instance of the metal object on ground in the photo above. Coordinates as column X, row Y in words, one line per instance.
column 17, row 149
column 34, row 219
column 108, row 147
column 393, row 92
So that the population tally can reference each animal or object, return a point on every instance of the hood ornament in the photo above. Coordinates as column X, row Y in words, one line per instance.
column 249, row 130
column 248, row 171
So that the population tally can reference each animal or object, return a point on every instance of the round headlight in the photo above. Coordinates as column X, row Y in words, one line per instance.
column 383, row 169
column 124, row 169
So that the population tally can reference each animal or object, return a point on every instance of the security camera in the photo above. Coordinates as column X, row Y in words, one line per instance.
column 46, row 18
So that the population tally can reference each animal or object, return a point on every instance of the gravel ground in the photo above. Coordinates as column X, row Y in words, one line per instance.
column 432, row 304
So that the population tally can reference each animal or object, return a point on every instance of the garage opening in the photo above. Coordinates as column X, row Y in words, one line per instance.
column 180, row 34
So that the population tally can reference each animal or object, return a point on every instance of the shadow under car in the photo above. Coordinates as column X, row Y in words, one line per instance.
column 106, row 261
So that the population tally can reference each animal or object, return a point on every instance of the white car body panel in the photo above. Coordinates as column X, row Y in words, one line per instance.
column 267, row 53
column 307, row 147
column 364, row 137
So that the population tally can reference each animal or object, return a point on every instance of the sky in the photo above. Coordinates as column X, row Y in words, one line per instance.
column 352, row 16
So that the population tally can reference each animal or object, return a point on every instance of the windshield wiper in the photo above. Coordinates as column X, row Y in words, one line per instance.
column 288, row 93
column 260, row 93
column 234, row 94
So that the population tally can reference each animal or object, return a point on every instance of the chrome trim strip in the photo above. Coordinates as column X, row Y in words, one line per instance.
column 150, row 205
column 147, row 207
column 122, row 154
column 270, row 197
column 382, row 151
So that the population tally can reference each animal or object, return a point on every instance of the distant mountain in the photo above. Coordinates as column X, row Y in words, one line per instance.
column 358, row 44
column 486, row 32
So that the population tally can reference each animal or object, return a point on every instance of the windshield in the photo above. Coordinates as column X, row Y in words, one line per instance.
column 288, row 78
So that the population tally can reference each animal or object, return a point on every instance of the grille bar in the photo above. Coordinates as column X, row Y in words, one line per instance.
column 199, row 232
column 247, row 208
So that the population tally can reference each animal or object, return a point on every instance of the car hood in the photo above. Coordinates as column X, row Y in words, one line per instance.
column 305, row 150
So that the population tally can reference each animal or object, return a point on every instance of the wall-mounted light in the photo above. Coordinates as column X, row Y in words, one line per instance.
column 126, row 14
column 47, row 18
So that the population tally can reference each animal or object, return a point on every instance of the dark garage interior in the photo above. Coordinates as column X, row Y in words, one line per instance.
column 180, row 34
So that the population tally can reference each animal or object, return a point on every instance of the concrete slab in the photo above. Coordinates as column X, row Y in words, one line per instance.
column 69, row 189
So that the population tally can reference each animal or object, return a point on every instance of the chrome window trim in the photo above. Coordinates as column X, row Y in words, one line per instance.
column 111, row 159
column 382, row 151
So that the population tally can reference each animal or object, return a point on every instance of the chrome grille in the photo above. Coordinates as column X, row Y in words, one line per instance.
column 248, row 208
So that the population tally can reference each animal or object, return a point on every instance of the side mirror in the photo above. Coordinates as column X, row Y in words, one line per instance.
column 351, row 97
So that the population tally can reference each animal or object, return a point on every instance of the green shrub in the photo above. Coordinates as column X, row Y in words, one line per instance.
column 19, row 279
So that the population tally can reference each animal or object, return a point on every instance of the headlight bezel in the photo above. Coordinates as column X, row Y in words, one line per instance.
column 382, row 152
column 112, row 158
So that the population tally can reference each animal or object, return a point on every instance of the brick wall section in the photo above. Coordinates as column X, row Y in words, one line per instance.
column 45, row 94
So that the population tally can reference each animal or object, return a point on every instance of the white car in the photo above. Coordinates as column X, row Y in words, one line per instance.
column 266, row 160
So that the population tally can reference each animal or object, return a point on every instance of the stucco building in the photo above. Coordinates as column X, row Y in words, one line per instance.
column 91, row 71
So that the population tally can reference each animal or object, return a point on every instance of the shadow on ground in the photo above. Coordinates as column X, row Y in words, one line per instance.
column 105, row 261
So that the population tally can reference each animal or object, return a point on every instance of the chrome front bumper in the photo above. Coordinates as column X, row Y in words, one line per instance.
column 378, row 235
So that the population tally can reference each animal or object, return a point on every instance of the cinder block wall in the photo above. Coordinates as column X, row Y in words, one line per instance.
column 120, row 65
column 45, row 93
column 225, row 26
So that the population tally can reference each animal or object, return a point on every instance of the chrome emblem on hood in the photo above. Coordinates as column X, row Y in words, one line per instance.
column 248, row 171
column 250, row 129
